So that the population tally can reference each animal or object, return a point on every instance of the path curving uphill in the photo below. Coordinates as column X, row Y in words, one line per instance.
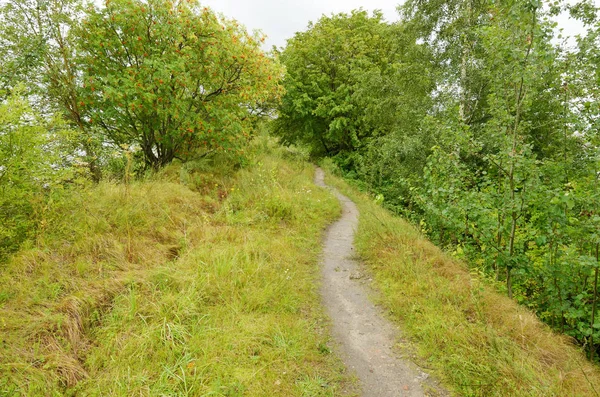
column 363, row 337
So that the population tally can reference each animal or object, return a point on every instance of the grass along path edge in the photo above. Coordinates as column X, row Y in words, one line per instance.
column 479, row 342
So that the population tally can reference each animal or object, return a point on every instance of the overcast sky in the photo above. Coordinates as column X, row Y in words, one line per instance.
column 280, row 19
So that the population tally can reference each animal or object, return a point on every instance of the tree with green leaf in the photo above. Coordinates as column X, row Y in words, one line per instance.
column 172, row 78
column 333, row 70
column 38, row 50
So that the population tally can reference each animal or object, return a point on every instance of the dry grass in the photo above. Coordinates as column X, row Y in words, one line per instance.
column 95, row 242
column 200, row 281
column 478, row 341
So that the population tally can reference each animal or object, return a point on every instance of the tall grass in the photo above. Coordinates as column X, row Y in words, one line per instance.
column 479, row 342
column 198, row 281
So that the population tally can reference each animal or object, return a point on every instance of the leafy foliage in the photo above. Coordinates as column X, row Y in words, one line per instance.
column 341, row 74
column 173, row 78
column 35, row 41
column 136, row 84
column 34, row 160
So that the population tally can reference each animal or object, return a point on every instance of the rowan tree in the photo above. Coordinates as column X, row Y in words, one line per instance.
column 171, row 77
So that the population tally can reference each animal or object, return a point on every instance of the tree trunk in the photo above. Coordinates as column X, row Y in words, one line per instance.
column 595, row 301
column 462, row 110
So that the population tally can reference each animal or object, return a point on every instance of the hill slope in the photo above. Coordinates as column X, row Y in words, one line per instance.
column 201, row 281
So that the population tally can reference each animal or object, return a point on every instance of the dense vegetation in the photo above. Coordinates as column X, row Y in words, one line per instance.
column 475, row 339
column 475, row 120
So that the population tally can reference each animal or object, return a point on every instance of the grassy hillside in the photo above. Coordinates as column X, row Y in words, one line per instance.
column 478, row 341
column 199, row 281
column 202, row 280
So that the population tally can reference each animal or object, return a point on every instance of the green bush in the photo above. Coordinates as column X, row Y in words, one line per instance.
column 32, row 166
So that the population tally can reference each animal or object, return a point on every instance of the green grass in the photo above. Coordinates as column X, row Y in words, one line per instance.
column 198, row 282
column 477, row 341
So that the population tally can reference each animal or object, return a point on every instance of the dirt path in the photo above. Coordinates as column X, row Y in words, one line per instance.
column 365, row 339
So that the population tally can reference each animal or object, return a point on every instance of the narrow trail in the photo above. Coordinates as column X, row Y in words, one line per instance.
column 364, row 338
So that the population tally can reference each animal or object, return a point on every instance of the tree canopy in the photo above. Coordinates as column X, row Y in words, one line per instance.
column 174, row 78
column 337, row 72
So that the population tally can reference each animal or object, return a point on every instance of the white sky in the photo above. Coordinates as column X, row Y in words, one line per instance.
column 280, row 19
